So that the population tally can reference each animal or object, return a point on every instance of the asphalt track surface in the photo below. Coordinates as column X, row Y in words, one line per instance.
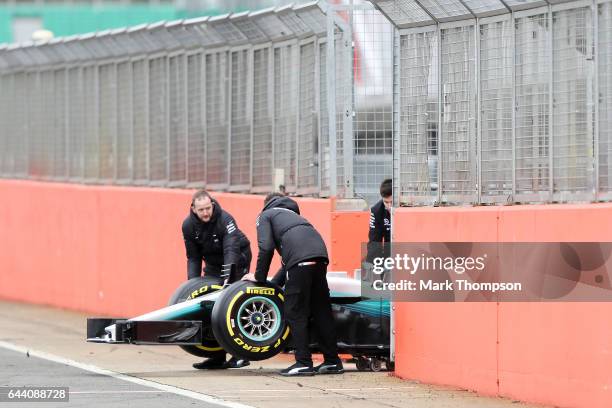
column 86, row 388
column 102, row 375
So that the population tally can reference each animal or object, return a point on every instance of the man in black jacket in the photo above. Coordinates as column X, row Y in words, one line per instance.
column 379, row 237
column 211, row 234
column 304, row 265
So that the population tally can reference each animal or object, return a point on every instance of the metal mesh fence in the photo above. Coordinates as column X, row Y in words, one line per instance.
column 240, row 155
column 335, row 96
column 532, row 88
column 158, row 120
column 307, row 180
column 458, row 130
column 60, row 129
column 216, row 119
column 344, row 91
column 604, row 96
column 196, row 142
column 6, row 93
column 76, row 124
column 323, row 121
column 373, row 84
column 177, row 143
column 572, row 115
column 496, row 75
column 286, row 76
column 262, row 120
column 224, row 102
column 140, row 135
column 124, row 122
column 419, row 92
column 47, row 136
column 90, row 134
column 7, row 150
column 19, row 128
column 107, row 129
column 34, row 119
column 508, row 107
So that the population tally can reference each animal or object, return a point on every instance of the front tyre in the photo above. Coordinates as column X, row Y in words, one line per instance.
column 248, row 320
column 191, row 289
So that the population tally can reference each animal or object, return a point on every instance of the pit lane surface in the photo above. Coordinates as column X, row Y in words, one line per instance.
column 101, row 375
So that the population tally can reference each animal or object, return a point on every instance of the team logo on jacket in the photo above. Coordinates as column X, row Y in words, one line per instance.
column 230, row 227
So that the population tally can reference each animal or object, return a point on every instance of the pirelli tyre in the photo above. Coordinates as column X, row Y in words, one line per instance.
column 191, row 289
column 248, row 320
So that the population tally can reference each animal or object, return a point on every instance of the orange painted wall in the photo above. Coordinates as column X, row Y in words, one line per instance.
column 107, row 250
column 551, row 353
column 349, row 231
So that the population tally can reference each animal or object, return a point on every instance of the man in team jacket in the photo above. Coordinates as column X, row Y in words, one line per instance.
column 304, row 267
column 211, row 234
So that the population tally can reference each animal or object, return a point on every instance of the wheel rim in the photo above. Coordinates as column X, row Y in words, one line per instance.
column 259, row 319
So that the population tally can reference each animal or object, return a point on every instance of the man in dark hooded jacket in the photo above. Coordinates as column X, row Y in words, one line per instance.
column 211, row 234
column 304, row 265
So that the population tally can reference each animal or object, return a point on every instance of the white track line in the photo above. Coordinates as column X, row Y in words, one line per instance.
column 87, row 367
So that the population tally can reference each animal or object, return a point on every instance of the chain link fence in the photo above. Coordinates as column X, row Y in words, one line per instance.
column 461, row 101
column 501, row 101
column 232, row 102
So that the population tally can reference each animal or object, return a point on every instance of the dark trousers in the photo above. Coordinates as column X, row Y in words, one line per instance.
column 306, row 296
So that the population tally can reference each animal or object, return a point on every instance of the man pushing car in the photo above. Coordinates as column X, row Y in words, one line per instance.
column 211, row 234
column 304, row 267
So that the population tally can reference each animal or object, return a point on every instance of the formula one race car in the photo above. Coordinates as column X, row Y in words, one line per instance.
column 245, row 319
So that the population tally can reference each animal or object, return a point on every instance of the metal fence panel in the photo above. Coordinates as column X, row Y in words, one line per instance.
column 404, row 13
column 107, row 120
column 336, row 60
column 8, row 134
column 158, row 120
column 216, row 119
column 124, row 122
column 6, row 93
column 60, row 169
column 20, row 119
column 373, row 85
column 418, row 134
column 196, row 140
column 307, row 143
column 496, row 76
column 91, row 145
column 140, row 124
column 286, row 73
column 604, row 50
column 458, row 133
column 324, row 170
column 344, row 92
column 532, row 93
column 572, row 108
column 178, row 121
column 48, row 135
column 35, row 119
column 76, row 124
column 445, row 9
column 262, row 120
column 240, row 126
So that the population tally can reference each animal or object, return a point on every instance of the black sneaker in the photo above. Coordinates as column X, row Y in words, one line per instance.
column 211, row 364
column 298, row 369
column 330, row 368
column 237, row 363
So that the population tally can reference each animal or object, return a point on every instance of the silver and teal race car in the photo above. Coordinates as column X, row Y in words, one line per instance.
column 246, row 319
